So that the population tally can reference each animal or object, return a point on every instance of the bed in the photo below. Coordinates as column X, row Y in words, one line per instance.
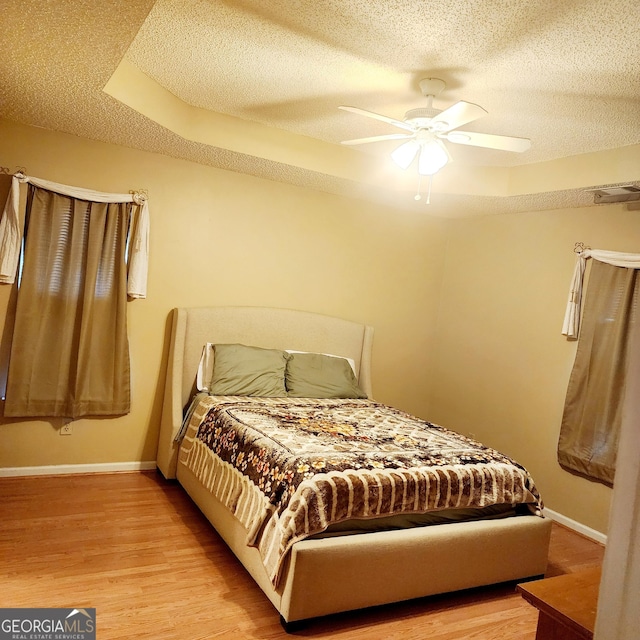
column 319, row 573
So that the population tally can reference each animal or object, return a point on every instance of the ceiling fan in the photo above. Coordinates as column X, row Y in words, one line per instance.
column 427, row 127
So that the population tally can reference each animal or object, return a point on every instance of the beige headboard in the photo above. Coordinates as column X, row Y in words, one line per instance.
column 191, row 328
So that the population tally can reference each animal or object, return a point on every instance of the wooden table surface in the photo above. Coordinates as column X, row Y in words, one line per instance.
column 570, row 599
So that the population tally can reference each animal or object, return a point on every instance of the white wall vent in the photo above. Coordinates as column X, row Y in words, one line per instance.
column 622, row 193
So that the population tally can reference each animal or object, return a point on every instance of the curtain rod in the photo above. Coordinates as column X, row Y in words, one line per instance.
column 579, row 247
column 139, row 196
column 7, row 171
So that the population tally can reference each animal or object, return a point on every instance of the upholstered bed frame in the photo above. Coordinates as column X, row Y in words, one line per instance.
column 348, row 572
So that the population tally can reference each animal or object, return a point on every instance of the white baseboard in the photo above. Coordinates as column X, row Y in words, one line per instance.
column 588, row 532
column 66, row 469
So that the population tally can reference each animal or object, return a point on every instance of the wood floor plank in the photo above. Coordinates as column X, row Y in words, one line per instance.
column 133, row 546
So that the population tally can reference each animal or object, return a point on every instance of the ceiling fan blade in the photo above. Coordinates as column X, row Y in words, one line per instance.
column 488, row 140
column 456, row 115
column 390, row 136
column 377, row 116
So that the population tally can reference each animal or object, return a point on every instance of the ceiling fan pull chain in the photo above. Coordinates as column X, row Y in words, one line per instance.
column 418, row 196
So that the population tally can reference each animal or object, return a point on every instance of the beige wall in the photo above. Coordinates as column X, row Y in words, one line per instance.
column 502, row 364
column 221, row 238
column 482, row 299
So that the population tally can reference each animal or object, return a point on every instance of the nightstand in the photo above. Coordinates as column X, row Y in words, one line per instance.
column 567, row 604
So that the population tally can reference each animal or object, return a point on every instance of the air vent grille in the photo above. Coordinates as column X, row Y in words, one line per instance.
column 620, row 193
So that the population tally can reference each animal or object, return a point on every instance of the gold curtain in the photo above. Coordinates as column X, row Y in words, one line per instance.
column 591, row 421
column 70, row 352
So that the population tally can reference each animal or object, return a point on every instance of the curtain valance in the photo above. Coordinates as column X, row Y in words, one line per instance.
column 571, row 325
column 11, row 230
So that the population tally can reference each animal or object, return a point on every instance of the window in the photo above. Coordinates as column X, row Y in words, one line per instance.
column 592, row 416
column 69, row 350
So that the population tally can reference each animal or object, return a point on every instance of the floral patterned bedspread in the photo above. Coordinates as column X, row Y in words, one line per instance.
column 287, row 468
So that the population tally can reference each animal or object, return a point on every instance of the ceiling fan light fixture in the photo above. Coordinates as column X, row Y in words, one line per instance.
column 433, row 156
column 405, row 154
column 427, row 127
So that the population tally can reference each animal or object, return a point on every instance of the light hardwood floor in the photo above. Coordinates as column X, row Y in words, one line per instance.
column 133, row 546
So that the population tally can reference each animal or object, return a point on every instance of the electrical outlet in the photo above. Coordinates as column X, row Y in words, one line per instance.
column 66, row 430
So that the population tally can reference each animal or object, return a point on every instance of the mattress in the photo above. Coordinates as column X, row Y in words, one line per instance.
column 289, row 469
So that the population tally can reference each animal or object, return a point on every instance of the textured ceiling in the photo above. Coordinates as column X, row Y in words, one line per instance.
column 565, row 74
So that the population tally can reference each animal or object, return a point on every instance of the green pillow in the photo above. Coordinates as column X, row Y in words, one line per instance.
column 240, row 370
column 314, row 375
